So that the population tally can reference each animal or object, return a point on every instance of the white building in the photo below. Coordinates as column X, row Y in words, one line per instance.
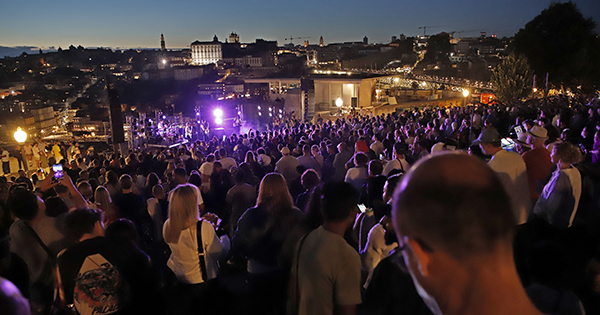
column 204, row 53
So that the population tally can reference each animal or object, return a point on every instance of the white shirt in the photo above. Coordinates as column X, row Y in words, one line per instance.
column 5, row 156
column 512, row 171
column 375, row 250
column 395, row 164
column 206, row 168
column 377, row 147
column 264, row 159
column 184, row 261
column 328, row 273
column 356, row 176
column 227, row 163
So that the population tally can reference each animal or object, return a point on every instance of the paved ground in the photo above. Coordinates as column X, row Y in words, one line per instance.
column 14, row 168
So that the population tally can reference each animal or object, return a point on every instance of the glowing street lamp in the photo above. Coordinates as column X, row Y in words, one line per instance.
column 339, row 102
column 20, row 135
column 465, row 94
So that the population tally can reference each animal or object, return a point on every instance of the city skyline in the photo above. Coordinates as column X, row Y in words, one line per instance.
column 114, row 25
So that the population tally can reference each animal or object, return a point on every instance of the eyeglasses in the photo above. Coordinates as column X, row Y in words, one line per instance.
column 398, row 254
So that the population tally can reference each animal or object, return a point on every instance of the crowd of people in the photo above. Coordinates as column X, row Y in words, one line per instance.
column 483, row 209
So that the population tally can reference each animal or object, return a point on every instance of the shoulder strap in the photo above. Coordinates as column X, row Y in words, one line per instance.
column 401, row 166
column 41, row 243
column 201, row 254
column 297, row 276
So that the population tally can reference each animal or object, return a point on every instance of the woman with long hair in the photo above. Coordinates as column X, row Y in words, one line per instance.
column 104, row 203
column 259, row 238
column 151, row 181
column 180, row 232
column 112, row 183
column 559, row 200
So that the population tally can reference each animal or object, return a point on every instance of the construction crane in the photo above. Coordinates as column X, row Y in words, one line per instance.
column 424, row 28
column 292, row 38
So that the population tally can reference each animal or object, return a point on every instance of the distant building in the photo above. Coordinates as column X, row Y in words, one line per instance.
column 234, row 38
column 365, row 40
column 41, row 120
column 186, row 73
column 204, row 53
column 249, row 61
column 321, row 41
column 163, row 46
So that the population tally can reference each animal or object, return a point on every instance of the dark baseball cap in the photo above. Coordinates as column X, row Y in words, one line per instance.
column 488, row 136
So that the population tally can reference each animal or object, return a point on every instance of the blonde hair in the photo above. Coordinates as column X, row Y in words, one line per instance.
column 183, row 211
column 102, row 197
column 274, row 194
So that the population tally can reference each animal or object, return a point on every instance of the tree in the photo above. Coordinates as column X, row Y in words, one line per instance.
column 513, row 78
column 561, row 42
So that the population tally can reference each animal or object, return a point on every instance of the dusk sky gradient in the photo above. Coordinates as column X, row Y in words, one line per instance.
column 138, row 24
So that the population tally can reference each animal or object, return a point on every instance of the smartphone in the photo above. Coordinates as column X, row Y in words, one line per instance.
column 362, row 208
column 518, row 131
column 58, row 171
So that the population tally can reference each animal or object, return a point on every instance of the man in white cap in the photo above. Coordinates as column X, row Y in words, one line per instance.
column 286, row 166
column 537, row 161
column 512, row 171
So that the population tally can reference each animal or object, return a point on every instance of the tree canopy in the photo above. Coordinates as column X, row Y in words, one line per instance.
column 513, row 78
column 562, row 42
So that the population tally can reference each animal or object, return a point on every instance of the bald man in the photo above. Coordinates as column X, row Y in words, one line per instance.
column 455, row 226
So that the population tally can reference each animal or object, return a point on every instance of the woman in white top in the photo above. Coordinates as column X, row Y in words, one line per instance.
column 179, row 232
column 560, row 197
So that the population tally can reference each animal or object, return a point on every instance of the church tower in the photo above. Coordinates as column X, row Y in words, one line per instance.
column 321, row 41
column 163, row 47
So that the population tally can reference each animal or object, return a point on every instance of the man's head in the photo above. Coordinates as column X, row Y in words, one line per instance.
column 85, row 189
column 126, row 182
column 285, row 151
column 25, row 204
column 22, row 173
column 158, row 191
column 375, row 167
column 400, row 149
column 179, row 174
column 84, row 221
column 310, row 178
column 536, row 136
column 339, row 202
column 489, row 141
column 454, row 220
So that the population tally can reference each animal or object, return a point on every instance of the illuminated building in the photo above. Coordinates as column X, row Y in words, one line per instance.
column 234, row 38
column 204, row 53
column 321, row 41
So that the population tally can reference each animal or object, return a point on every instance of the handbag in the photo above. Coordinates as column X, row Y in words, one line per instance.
column 201, row 253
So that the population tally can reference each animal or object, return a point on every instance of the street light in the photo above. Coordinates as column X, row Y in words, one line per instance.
column 465, row 94
column 20, row 135
column 339, row 102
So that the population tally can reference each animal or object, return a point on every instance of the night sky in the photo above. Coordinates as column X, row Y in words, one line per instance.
column 139, row 23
